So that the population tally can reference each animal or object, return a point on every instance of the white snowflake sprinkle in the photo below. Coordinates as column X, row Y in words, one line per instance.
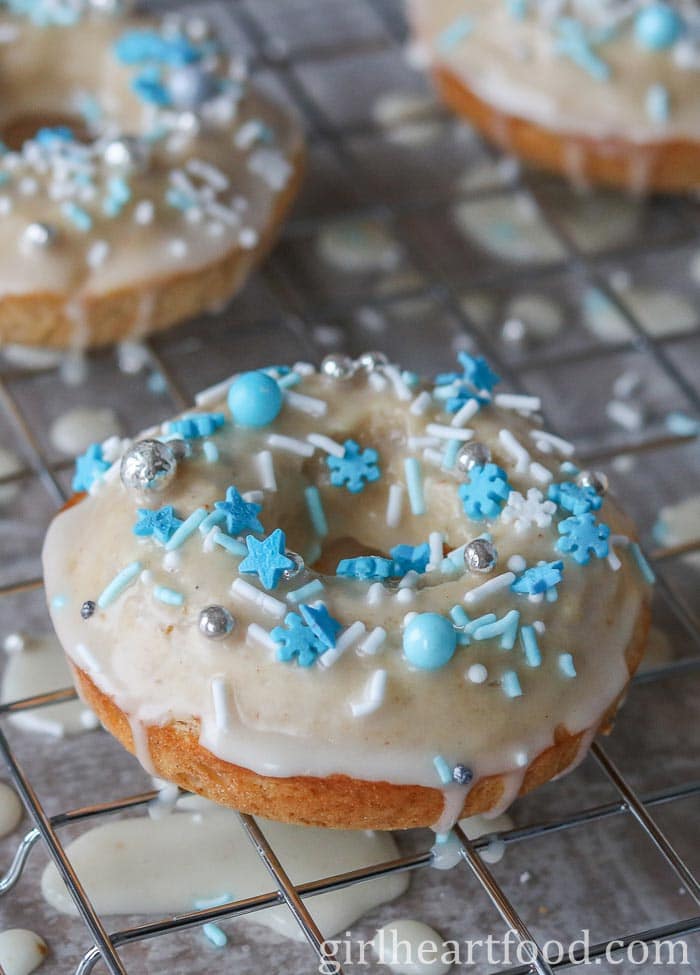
column 528, row 512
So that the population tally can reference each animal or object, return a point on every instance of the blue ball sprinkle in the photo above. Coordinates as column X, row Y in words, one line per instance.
column 254, row 399
column 658, row 26
column 429, row 641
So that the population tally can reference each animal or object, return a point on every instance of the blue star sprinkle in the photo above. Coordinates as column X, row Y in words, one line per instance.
column 475, row 371
column 266, row 558
column 297, row 640
column 408, row 557
column 195, row 426
column 366, row 567
column 581, row 536
column 89, row 468
column 539, row 578
column 323, row 626
column 240, row 515
column 574, row 498
column 355, row 469
column 485, row 492
column 161, row 524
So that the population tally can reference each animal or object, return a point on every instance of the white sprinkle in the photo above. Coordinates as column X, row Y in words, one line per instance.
column 394, row 505
column 613, row 559
column 178, row 248
column 540, row 473
column 625, row 415
column 171, row 561
column 253, row 497
column 326, row 443
column 488, row 588
column 219, row 694
column 343, row 643
column 304, row 368
column 258, row 634
column 87, row 658
column 268, row 604
column 221, row 215
column 266, row 469
column 248, row 238
column 410, row 580
column 373, row 695
column 417, row 443
column 209, row 543
column 400, row 387
column 435, row 541
column 449, row 433
column 290, row 444
column 210, row 174
column 510, row 401
column 377, row 382
column 406, row 595
column 373, row 642
column 515, row 449
column 97, row 254
column 375, row 594
column 421, row 403
column 539, row 627
column 306, row 404
column 516, row 563
column 546, row 441
column 433, row 456
column 465, row 413
column 146, row 577
column 477, row 674
column 213, row 393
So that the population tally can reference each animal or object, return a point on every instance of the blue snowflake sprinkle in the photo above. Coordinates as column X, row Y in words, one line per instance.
column 161, row 524
column 297, row 640
column 266, row 559
column 408, row 557
column 485, row 492
column 89, row 467
column 461, row 397
column 539, row 578
column 366, row 567
column 478, row 372
column 581, row 536
column 355, row 469
column 148, row 85
column 197, row 425
column 324, row 627
column 240, row 515
column 575, row 498
column 148, row 46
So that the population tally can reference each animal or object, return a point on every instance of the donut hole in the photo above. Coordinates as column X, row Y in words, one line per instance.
column 16, row 130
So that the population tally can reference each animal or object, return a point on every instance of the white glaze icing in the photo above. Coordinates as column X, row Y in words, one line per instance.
column 281, row 719
column 73, row 431
column 10, row 809
column 38, row 668
column 512, row 63
column 21, row 951
column 410, row 947
column 229, row 185
column 199, row 853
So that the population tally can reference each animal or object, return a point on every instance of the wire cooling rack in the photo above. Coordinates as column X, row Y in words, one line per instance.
column 613, row 846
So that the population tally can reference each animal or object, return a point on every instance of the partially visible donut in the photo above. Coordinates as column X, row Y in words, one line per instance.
column 603, row 91
column 463, row 614
column 141, row 175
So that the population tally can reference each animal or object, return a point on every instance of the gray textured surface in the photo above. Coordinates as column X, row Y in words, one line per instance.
column 443, row 292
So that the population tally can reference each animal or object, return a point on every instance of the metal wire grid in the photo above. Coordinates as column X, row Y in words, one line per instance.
column 276, row 59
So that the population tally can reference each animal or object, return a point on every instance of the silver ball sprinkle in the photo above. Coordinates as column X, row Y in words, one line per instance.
column 180, row 448
column 370, row 361
column 39, row 235
column 190, row 86
column 298, row 565
column 215, row 622
column 595, row 479
column 126, row 154
column 471, row 454
column 338, row 367
column 480, row 555
column 88, row 609
column 148, row 465
column 462, row 774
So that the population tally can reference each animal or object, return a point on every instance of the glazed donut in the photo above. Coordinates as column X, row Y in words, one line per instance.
column 603, row 91
column 349, row 598
column 141, row 176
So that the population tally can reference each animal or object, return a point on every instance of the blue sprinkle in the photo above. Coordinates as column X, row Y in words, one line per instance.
column 197, row 425
column 118, row 584
column 266, row 558
column 573, row 42
column 566, row 467
column 213, row 519
column 566, row 665
column 169, row 596
column 682, row 425
column 212, row 932
column 658, row 103
column 355, row 469
column 316, row 512
column 517, row 8
column 89, row 468
column 78, row 217
column 456, row 32
column 642, row 564
column 506, row 628
column 187, row 528
column 409, row 558
column 443, row 769
column 232, row 545
column 459, row 615
column 450, row 455
column 414, row 483
column 49, row 136
column 289, row 379
column 476, row 624
column 511, row 684
column 144, row 46
column 308, row 591
column 210, row 451
column 365, row 567
column 658, row 26
column 323, row 626
column 528, row 638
